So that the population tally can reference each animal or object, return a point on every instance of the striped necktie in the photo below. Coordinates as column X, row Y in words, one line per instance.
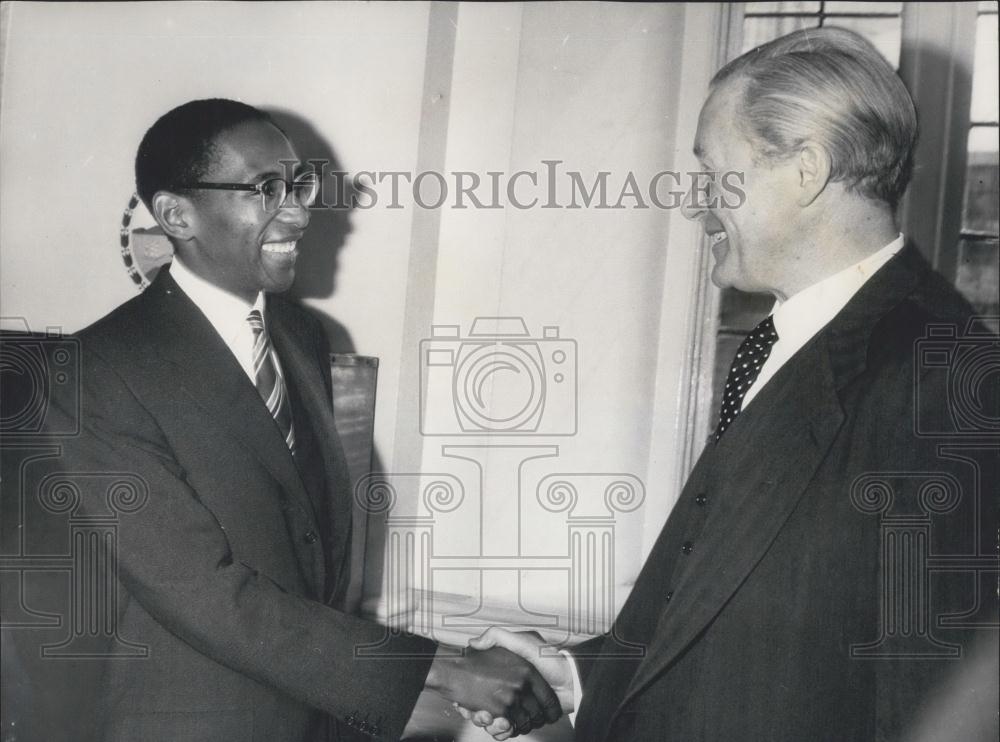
column 743, row 372
column 269, row 380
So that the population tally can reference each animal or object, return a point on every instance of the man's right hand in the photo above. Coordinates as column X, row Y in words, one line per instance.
column 496, row 681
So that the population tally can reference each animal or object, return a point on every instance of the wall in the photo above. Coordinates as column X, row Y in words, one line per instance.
column 594, row 88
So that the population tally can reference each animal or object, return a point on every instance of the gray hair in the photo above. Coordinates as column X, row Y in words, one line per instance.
column 831, row 86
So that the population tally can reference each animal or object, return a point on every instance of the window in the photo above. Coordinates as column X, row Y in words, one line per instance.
column 880, row 23
column 978, row 269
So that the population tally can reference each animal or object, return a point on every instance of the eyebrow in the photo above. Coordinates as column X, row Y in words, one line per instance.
column 265, row 175
column 297, row 172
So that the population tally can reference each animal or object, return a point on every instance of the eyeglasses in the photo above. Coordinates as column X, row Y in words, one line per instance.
column 273, row 191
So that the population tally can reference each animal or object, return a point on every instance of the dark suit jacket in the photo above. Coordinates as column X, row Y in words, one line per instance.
column 767, row 571
column 221, row 569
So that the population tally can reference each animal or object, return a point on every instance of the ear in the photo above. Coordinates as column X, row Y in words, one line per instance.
column 814, row 167
column 174, row 214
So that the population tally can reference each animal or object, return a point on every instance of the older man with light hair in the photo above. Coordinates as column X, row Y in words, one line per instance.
column 779, row 603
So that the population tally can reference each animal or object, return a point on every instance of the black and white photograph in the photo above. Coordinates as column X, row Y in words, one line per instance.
column 460, row 371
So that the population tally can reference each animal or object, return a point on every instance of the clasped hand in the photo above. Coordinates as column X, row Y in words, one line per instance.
column 545, row 672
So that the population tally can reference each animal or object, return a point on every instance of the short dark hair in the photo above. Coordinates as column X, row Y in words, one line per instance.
column 830, row 85
column 180, row 146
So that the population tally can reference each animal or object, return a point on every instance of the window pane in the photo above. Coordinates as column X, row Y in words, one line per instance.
column 982, row 194
column 984, row 139
column 984, row 71
column 884, row 33
column 757, row 31
column 863, row 8
column 781, row 7
column 978, row 276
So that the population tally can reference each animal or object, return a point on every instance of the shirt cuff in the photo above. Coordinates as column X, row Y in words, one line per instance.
column 577, row 685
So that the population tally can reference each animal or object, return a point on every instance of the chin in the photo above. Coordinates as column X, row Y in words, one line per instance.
column 719, row 278
column 279, row 285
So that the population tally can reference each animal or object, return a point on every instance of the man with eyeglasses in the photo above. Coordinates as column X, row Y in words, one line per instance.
column 215, row 392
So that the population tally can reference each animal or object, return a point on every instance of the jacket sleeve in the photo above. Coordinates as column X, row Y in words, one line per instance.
column 938, row 431
column 173, row 558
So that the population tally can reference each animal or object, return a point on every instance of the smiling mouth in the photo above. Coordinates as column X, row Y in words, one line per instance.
column 280, row 248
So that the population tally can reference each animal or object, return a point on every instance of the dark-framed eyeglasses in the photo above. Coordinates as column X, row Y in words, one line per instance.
column 273, row 191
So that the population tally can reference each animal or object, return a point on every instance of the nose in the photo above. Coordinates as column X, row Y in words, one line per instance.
column 293, row 213
column 693, row 207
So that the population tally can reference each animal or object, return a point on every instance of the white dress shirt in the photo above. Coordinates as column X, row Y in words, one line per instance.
column 226, row 312
column 802, row 315
column 796, row 320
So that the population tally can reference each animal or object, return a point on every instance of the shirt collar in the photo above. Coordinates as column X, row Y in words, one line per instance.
column 802, row 315
column 227, row 312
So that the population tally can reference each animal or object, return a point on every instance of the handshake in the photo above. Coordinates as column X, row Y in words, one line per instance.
column 504, row 682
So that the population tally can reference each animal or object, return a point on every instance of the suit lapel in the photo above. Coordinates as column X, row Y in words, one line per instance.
column 300, row 362
column 207, row 372
column 772, row 453
column 763, row 464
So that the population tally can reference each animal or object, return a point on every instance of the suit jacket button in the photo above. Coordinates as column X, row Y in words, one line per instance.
column 701, row 499
column 687, row 548
column 668, row 596
column 310, row 537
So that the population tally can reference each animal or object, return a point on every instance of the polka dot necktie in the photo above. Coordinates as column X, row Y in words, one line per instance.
column 269, row 380
column 744, row 371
